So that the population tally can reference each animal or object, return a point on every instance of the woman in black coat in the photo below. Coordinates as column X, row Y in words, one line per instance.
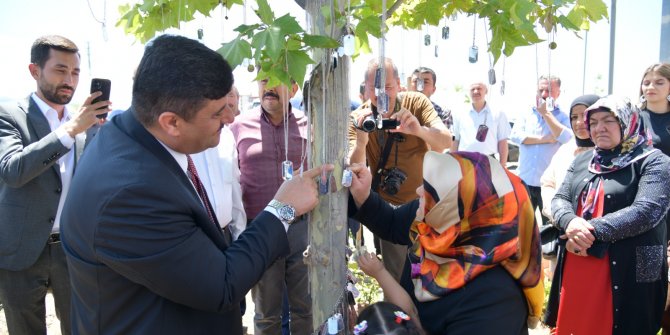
column 612, row 208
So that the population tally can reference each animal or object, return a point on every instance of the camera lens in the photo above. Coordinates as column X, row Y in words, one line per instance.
column 368, row 124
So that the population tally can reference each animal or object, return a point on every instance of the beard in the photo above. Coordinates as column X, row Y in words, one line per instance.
column 51, row 94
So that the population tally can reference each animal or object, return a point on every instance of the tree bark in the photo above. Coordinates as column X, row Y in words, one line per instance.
column 327, row 97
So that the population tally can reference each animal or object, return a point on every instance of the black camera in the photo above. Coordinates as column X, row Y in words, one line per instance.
column 369, row 124
column 393, row 178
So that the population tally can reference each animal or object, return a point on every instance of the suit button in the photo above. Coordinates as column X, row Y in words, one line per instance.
column 59, row 190
column 52, row 220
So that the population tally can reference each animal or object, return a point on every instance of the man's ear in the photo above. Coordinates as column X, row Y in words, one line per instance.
column 34, row 70
column 170, row 122
column 294, row 89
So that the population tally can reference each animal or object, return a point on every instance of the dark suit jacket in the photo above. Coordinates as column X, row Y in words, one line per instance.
column 143, row 255
column 30, row 184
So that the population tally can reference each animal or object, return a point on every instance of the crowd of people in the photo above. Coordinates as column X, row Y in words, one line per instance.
column 200, row 205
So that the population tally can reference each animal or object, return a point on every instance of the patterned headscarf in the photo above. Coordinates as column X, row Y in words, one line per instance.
column 477, row 215
column 635, row 142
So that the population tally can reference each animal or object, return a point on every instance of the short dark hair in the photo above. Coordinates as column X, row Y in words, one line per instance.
column 39, row 52
column 424, row 69
column 178, row 74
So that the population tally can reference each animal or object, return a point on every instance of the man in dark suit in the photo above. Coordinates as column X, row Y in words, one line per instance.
column 40, row 143
column 145, row 254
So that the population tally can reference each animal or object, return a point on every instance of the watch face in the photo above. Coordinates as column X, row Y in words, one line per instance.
column 287, row 213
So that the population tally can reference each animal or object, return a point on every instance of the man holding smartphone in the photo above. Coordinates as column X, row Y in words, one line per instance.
column 41, row 141
column 539, row 133
column 479, row 128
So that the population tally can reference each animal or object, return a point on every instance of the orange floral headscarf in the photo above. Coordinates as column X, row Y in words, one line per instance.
column 477, row 215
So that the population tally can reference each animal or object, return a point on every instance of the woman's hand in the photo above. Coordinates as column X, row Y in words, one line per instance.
column 579, row 235
column 370, row 264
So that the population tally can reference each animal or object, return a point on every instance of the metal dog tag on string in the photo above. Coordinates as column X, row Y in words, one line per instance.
column 347, row 177
column 349, row 44
column 550, row 103
column 287, row 170
column 382, row 104
column 323, row 183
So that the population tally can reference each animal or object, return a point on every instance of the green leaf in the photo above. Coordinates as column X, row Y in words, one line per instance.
column 297, row 65
column 264, row 12
column 320, row 41
column 370, row 25
column 235, row 51
column 288, row 25
column 363, row 43
column 203, row 6
column 270, row 41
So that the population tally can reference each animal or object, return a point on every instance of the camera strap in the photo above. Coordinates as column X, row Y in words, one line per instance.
column 376, row 180
column 377, row 177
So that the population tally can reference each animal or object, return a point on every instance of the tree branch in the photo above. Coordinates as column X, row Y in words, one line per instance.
column 392, row 9
column 300, row 3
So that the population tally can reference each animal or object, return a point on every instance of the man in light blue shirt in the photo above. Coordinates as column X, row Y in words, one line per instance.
column 539, row 134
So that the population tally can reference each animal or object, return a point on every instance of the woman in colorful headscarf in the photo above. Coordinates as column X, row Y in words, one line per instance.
column 474, row 260
column 610, row 277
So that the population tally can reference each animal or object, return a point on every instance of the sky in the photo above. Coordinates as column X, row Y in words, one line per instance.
column 109, row 53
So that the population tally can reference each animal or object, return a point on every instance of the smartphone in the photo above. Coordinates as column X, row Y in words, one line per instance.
column 104, row 86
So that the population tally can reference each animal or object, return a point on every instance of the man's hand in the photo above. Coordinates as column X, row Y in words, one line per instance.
column 85, row 117
column 301, row 191
column 360, row 183
column 370, row 264
column 409, row 124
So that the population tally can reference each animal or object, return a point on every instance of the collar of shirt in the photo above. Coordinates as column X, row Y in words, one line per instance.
column 178, row 156
column 482, row 112
column 47, row 110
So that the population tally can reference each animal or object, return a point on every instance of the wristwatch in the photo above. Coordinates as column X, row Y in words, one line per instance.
column 284, row 212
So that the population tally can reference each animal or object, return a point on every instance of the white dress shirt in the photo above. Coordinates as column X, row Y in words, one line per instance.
column 467, row 122
column 218, row 170
column 66, row 162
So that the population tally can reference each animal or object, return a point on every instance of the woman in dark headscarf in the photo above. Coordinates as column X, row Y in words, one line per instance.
column 474, row 261
column 610, row 277
column 554, row 175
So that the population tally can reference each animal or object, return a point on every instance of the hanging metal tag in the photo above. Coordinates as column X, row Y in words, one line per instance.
column 550, row 103
column 426, row 40
column 436, row 51
column 378, row 78
column 382, row 104
column 419, row 84
column 347, row 177
column 492, row 76
column 287, row 170
column 323, row 183
column 474, row 54
column 445, row 32
column 349, row 44
column 502, row 87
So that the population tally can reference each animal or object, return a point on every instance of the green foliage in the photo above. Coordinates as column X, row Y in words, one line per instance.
column 280, row 46
column 369, row 289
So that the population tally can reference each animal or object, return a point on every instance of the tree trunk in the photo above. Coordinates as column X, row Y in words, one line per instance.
column 327, row 97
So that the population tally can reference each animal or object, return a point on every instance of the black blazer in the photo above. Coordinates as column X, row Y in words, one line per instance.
column 632, row 231
column 143, row 256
